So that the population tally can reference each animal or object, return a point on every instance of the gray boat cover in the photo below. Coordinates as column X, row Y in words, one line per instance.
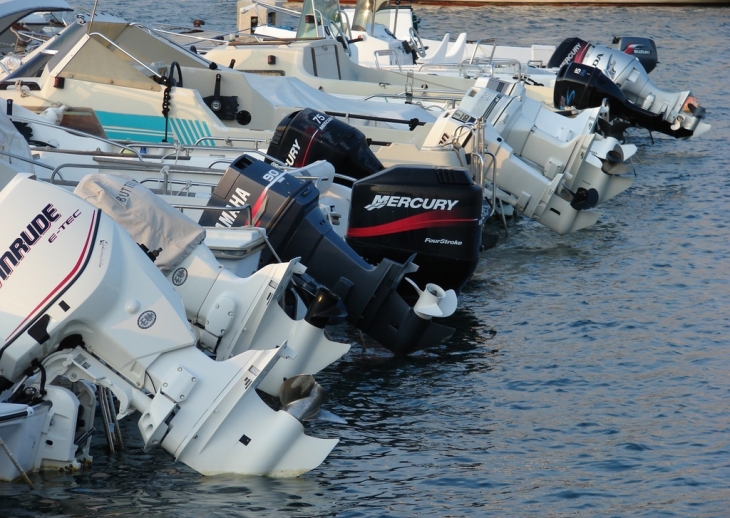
column 149, row 220
column 290, row 91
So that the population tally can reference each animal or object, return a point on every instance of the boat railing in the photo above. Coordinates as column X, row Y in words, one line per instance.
column 479, row 68
column 227, row 140
column 25, row 159
column 408, row 97
column 391, row 53
column 77, row 133
column 478, row 47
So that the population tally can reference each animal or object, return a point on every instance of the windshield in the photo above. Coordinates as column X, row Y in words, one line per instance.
column 362, row 20
column 318, row 13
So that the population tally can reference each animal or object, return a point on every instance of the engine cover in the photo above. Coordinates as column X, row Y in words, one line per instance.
column 308, row 135
column 432, row 211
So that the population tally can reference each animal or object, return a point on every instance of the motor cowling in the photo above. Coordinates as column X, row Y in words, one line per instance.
column 643, row 49
column 583, row 86
column 576, row 49
column 436, row 212
column 308, row 135
column 288, row 208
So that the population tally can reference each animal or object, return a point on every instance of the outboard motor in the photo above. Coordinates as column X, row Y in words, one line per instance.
column 582, row 86
column 308, row 135
column 391, row 209
column 680, row 110
column 436, row 212
column 575, row 49
column 643, row 49
column 81, row 301
column 288, row 208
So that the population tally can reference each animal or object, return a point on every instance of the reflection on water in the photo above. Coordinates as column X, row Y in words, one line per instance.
column 604, row 390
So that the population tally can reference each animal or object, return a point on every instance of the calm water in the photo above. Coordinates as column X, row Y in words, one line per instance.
column 605, row 390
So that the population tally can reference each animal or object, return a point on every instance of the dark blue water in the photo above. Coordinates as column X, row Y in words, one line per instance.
column 605, row 390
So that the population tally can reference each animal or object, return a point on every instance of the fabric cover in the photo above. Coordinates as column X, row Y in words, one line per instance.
column 149, row 220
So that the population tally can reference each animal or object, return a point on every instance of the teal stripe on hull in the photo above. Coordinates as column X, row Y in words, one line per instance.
column 151, row 128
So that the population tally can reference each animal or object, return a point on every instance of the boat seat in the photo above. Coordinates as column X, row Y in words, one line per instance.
column 456, row 52
column 439, row 55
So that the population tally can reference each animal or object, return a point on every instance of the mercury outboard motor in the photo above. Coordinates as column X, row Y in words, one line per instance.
column 434, row 212
column 582, row 86
column 575, row 49
column 306, row 136
column 288, row 208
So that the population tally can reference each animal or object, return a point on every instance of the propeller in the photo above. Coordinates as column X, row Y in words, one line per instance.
column 434, row 301
column 301, row 396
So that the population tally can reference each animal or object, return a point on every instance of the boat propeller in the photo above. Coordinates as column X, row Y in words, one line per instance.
column 302, row 397
column 434, row 301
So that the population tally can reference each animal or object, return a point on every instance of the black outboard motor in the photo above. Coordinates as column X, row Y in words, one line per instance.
column 308, row 135
column 569, row 51
column 436, row 212
column 582, row 86
column 288, row 208
column 575, row 50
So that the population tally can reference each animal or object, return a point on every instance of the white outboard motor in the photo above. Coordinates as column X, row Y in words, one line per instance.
column 553, row 142
column 681, row 111
column 80, row 300
column 231, row 314
column 518, row 183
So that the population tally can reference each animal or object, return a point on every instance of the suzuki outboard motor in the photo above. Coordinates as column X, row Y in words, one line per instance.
column 582, row 86
column 308, row 135
column 643, row 49
column 288, row 208
column 680, row 111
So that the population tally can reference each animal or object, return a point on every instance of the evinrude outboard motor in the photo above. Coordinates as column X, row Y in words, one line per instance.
column 680, row 111
column 288, row 208
column 575, row 49
column 81, row 301
column 582, row 86
column 306, row 136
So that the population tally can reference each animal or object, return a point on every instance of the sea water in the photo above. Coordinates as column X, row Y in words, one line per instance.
column 589, row 374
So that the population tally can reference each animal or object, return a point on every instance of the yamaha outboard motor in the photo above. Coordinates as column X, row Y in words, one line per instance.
column 288, row 208
column 436, row 212
column 582, row 86
column 575, row 50
column 308, row 135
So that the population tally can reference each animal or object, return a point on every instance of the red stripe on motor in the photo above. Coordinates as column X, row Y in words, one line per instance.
column 425, row 220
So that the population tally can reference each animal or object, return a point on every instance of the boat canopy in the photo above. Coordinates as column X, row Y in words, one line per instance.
column 110, row 53
column 12, row 11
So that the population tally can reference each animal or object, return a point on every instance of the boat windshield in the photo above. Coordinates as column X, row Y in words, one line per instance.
column 316, row 14
column 363, row 20
column 56, row 46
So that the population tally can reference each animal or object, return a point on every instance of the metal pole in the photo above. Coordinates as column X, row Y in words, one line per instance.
column 15, row 462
